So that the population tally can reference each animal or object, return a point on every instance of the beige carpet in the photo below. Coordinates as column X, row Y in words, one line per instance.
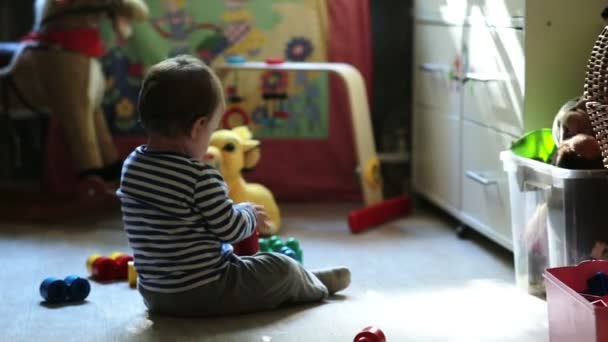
column 413, row 278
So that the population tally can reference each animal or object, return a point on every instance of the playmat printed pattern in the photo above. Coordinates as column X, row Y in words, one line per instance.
column 213, row 29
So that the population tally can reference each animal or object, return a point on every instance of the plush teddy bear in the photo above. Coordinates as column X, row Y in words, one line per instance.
column 233, row 151
column 571, row 119
column 574, row 136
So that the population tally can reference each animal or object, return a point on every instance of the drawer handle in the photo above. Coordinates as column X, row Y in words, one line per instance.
column 476, row 176
column 538, row 185
column 481, row 77
column 429, row 67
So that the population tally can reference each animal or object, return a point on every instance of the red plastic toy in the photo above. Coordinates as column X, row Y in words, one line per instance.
column 122, row 268
column 110, row 268
column 380, row 213
column 249, row 246
column 104, row 269
column 277, row 60
column 370, row 334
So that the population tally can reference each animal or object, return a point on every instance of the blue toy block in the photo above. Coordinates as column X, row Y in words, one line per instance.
column 78, row 288
column 289, row 252
column 598, row 284
column 53, row 290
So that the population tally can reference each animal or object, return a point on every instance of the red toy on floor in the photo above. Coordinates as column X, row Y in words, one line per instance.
column 385, row 211
column 370, row 334
column 110, row 268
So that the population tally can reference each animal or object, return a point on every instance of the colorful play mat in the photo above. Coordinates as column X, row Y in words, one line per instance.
column 294, row 30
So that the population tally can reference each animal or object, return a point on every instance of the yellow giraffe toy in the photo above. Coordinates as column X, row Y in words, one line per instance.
column 231, row 152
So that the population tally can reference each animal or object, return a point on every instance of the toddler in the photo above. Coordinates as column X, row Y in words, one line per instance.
column 178, row 217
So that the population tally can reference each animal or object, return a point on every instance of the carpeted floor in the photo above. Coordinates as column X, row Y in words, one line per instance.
column 413, row 278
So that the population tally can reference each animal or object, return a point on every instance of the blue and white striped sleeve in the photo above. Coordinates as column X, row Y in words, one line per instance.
column 230, row 222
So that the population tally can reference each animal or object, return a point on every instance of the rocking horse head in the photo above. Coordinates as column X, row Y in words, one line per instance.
column 74, row 14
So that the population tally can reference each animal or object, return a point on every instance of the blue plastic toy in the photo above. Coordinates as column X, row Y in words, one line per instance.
column 235, row 59
column 289, row 252
column 78, row 288
column 598, row 285
column 54, row 290
column 72, row 288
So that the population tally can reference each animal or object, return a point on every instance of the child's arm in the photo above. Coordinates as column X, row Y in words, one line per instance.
column 229, row 222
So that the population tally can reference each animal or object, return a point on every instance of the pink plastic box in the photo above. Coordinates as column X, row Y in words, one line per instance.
column 573, row 315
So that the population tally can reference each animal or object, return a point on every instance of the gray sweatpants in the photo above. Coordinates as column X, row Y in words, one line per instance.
column 252, row 283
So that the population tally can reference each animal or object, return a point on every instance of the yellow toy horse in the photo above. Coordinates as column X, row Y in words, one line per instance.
column 232, row 151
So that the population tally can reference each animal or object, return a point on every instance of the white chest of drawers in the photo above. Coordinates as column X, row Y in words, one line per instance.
column 486, row 72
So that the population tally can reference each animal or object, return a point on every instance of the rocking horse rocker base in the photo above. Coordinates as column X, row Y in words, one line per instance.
column 59, row 195
column 36, row 207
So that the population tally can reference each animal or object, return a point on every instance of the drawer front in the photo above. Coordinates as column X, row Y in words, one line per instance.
column 436, row 162
column 503, row 12
column 436, row 61
column 485, row 189
column 454, row 11
column 494, row 78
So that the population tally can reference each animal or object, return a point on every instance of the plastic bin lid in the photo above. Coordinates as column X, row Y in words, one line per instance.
column 511, row 162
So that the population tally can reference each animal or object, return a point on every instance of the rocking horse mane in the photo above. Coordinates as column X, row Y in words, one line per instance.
column 52, row 10
column 47, row 9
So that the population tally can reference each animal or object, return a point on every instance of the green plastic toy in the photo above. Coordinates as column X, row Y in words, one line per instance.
column 275, row 244
column 538, row 145
column 264, row 245
column 295, row 245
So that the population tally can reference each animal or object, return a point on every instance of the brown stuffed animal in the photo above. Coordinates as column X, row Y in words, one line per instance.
column 58, row 72
column 574, row 136
column 570, row 120
column 580, row 152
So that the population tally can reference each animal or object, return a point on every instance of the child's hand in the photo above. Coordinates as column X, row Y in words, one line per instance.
column 261, row 217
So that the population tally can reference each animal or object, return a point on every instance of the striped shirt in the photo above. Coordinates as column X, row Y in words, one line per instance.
column 179, row 220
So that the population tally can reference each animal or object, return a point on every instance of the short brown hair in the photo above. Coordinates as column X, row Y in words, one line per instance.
column 175, row 93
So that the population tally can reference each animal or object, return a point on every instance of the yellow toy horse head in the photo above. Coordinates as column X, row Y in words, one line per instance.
column 231, row 152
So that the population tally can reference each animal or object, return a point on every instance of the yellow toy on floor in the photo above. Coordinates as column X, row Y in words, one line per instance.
column 231, row 152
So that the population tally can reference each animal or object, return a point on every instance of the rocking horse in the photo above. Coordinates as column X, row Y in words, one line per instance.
column 55, row 70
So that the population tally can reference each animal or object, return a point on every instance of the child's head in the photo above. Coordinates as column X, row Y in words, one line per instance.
column 178, row 95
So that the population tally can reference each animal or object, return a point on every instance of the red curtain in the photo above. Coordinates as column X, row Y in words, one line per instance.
column 324, row 170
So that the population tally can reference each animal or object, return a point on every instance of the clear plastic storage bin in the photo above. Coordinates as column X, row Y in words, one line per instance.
column 558, row 216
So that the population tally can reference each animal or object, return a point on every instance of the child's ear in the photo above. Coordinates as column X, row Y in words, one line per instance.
column 198, row 125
